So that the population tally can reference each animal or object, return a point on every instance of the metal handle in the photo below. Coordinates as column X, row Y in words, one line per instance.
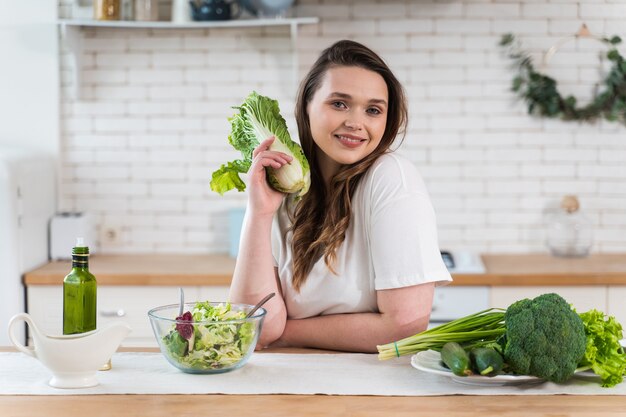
column 181, row 306
column 113, row 313
column 259, row 304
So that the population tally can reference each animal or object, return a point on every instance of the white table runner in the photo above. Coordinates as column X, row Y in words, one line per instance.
column 272, row 373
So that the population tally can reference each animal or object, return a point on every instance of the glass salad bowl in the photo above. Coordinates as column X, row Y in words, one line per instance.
column 209, row 337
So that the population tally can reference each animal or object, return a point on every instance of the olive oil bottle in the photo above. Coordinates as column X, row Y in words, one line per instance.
column 79, row 293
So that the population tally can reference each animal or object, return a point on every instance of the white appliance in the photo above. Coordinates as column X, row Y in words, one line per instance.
column 451, row 303
column 463, row 262
column 27, row 202
column 65, row 227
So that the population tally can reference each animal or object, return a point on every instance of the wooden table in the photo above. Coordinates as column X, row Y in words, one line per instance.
column 309, row 405
column 178, row 270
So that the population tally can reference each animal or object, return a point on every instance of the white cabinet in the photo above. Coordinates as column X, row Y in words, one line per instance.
column 132, row 303
column 215, row 294
column 452, row 302
column 616, row 304
column 123, row 303
column 582, row 297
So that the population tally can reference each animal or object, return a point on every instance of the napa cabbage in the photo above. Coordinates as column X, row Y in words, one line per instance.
column 257, row 119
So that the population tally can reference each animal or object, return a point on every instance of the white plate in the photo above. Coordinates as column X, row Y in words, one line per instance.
column 430, row 361
column 588, row 374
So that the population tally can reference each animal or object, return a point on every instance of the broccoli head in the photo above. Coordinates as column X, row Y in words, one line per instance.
column 544, row 338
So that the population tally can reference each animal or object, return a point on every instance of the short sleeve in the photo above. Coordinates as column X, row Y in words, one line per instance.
column 403, row 228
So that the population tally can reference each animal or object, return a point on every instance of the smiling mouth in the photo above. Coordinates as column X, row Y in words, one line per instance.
column 350, row 140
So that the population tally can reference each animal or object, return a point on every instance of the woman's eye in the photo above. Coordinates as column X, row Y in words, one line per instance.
column 374, row 110
column 339, row 104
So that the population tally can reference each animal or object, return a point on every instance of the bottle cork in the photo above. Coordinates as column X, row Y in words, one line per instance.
column 570, row 204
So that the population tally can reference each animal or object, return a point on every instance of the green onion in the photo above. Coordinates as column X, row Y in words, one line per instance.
column 478, row 329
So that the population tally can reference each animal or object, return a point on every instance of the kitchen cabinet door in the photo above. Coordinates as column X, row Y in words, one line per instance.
column 453, row 302
column 214, row 294
column 582, row 297
column 617, row 304
column 115, row 303
column 45, row 305
column 132, row 303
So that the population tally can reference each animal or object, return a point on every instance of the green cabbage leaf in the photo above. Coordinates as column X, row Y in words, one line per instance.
column 257, row 119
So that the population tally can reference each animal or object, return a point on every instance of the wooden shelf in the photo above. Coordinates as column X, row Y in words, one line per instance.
column 236, row 23
column 71, row 30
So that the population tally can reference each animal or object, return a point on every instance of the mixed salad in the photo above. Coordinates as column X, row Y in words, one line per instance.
column 201, row 340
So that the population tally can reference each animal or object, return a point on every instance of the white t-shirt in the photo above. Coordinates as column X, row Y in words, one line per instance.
column 391, row 242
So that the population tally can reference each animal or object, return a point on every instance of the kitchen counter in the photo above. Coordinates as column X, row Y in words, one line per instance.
column 151, row 269
column 310, row 405
column 130, row 285
column 217, row 270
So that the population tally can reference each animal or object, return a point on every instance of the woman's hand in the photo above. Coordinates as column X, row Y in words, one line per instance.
column 263, row 199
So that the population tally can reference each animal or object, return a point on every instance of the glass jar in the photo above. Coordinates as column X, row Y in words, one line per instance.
column 107, row 9
column 147, row 10
column 570, row 232
column 181, row 11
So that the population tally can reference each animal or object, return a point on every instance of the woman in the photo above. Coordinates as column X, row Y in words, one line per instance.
column 355, row 262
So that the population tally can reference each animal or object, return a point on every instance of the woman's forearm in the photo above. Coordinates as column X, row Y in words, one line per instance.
column 255, row 277
column 254, row 270
column 358, row 332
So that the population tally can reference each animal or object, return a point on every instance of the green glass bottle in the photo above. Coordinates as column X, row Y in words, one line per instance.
column 79, row 293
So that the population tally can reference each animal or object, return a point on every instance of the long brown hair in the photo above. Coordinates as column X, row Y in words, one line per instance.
column 321, row 218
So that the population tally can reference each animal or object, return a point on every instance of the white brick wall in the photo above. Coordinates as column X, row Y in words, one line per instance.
column 138, row 151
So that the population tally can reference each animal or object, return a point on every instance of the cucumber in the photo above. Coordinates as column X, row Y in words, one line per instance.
column 486, row 361
column 456, row 358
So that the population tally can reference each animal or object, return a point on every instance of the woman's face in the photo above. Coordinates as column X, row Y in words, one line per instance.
column 348, row 115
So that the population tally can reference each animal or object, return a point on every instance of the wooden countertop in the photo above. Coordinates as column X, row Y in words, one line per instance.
column 215, row 270
column 310, row 405
column 151, row 269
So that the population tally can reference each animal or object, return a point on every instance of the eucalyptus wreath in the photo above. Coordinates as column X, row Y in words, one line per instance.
column 542, row 96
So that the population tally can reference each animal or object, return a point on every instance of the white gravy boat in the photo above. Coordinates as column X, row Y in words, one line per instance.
column 73, row 359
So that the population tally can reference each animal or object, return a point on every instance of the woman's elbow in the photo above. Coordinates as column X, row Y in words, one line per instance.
column 267, row 337
column 405, row 326
column 272, row 330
